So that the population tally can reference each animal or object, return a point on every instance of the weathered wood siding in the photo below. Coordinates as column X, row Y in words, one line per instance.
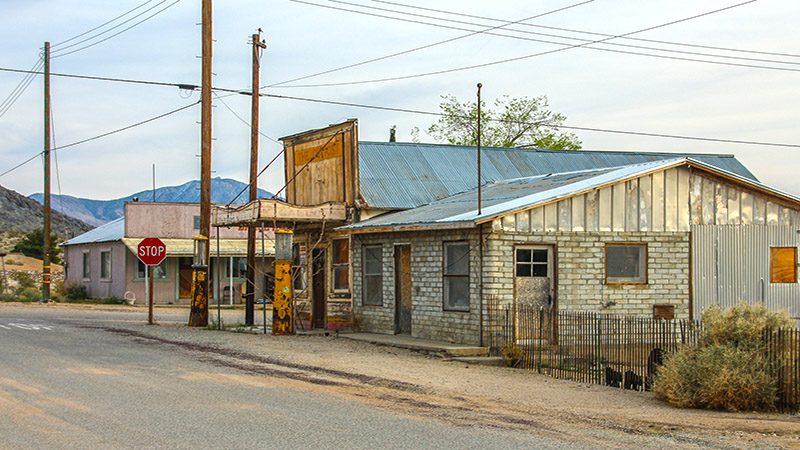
column 671, row 200
column 321, row 165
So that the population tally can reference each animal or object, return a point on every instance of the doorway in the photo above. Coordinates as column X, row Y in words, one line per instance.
column 185, row 278
column 534, row 287
column 318, row 287
column 402, row 289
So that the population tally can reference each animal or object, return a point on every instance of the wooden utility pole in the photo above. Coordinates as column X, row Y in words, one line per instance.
column 250, row 291
column 198, row 316
column 46, row 256
column 479, row 148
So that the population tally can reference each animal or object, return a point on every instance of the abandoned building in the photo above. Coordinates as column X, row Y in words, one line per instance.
column 390, row 237
column 104, row 259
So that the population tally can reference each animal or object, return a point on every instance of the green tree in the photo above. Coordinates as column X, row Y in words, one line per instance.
column 514, row 122
column 32, row 244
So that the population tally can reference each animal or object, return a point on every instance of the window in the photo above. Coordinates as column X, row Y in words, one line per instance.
column 196, row 224
column 239, row 267
column 456, row 276
column 626, row 263
column 341, row 264
column 783, row 265
column 298, row 268
column 373, row 275
column 159, row 271
column 531, row 262
column 105, row 265
column 87, row 265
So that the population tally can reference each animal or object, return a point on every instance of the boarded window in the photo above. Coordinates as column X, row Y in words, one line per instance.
column 341, row 264
column 456, row 276
column 783, row 265
column 105, row 265
column 159, row 271
column 665, row 312
column 626, row 263
column 373, row 275
column 87, row 265
column 531, row 262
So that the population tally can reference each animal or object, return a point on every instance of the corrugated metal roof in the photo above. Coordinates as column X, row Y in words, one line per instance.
column 406, row 175
column 504, row 197
column 109, row 232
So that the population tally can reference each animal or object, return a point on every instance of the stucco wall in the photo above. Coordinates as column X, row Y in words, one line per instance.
column 429, row 319
column 169, row 220
column 97, row 288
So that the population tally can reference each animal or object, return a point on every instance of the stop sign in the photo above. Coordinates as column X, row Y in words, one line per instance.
column 151, row 251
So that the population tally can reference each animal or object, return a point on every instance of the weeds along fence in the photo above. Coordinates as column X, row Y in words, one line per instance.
column 619, row 351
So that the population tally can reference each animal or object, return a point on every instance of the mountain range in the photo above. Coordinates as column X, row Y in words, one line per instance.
column 20, row 214
column 98, row 212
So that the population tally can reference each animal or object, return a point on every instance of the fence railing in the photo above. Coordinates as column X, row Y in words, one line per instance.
column 614, row 350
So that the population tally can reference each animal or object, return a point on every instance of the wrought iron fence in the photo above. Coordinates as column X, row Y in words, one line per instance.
column 615, row 350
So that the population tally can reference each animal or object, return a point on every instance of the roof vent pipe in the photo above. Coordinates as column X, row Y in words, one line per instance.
column 393, row 133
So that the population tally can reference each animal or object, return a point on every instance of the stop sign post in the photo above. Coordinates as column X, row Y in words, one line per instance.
column 151, row 252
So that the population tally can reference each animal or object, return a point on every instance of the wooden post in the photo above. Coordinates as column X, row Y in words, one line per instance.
column 198, row 316
column 46, row 257
column 250, row 288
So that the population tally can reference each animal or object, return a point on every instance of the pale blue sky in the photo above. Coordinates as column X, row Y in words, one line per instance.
column 592, row 88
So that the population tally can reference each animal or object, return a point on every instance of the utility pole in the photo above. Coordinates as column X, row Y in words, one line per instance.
column 479, row 148
column 46, row 228
column 250, row 290
column 198, row 316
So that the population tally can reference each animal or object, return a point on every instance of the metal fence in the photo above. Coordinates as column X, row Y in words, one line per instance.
column 619, row 351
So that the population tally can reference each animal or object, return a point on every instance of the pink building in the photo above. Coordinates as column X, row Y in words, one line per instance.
column 104, row 259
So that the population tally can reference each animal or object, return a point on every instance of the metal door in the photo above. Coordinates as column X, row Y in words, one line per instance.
column 402, row 289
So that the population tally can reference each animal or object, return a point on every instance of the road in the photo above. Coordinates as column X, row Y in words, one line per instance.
column 70, row 379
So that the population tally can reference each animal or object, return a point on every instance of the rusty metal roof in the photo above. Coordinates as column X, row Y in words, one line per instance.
column 406, row 175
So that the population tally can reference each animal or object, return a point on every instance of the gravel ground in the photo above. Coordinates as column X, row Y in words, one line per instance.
column 432, row 389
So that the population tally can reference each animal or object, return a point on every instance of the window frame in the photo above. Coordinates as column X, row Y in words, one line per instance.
column 340, row 265
column 774, row 247
column 365, row 275
column 446, row 277
column 140, row 274
column 643, row 263
column 110, row 273
column 86, row 259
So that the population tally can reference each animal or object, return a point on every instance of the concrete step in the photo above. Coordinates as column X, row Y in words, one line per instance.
column 480, row 360
column 422, row 345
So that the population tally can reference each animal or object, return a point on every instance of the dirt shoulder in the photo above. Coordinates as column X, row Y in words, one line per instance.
column 424, row 385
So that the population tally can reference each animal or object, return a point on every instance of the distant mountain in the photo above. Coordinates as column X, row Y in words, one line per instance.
column 98, row 212
column 22, row 214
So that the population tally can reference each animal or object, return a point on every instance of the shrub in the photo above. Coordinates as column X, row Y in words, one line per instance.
column 728, row 369
column 75, row 291
column 28, row 295
column 24, row 280
column 512, row 355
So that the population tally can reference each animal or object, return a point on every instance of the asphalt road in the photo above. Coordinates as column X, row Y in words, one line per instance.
column 69, row 381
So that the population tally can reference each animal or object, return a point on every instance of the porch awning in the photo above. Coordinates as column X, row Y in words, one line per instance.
column 227, row 247
column 272, row 211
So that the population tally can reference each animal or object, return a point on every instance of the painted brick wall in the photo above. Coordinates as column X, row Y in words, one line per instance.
column 580, row 258
column 428, row 317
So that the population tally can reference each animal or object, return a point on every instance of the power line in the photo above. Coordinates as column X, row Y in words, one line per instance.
column 693, row 53
column 569, row 127
column 118, row 130
column 503, row 61
column 17, row 92
column 394, row 109
column 572, row 30
column 119, row 32
column 405, row 52
column 101, row 25
column 228, row 107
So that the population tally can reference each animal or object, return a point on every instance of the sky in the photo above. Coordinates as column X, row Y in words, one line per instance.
column 592, row 88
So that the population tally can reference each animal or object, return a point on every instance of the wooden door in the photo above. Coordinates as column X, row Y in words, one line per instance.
column 318, row 287
column 185, row 278
column 402, row 289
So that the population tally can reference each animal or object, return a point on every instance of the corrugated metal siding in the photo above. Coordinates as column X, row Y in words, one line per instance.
column 729, row 263
column 402, row 176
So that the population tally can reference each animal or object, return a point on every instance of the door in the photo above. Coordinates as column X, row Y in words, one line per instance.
column 185, row 278
column 318, row 287
column 402, row 289
column 534, row 291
